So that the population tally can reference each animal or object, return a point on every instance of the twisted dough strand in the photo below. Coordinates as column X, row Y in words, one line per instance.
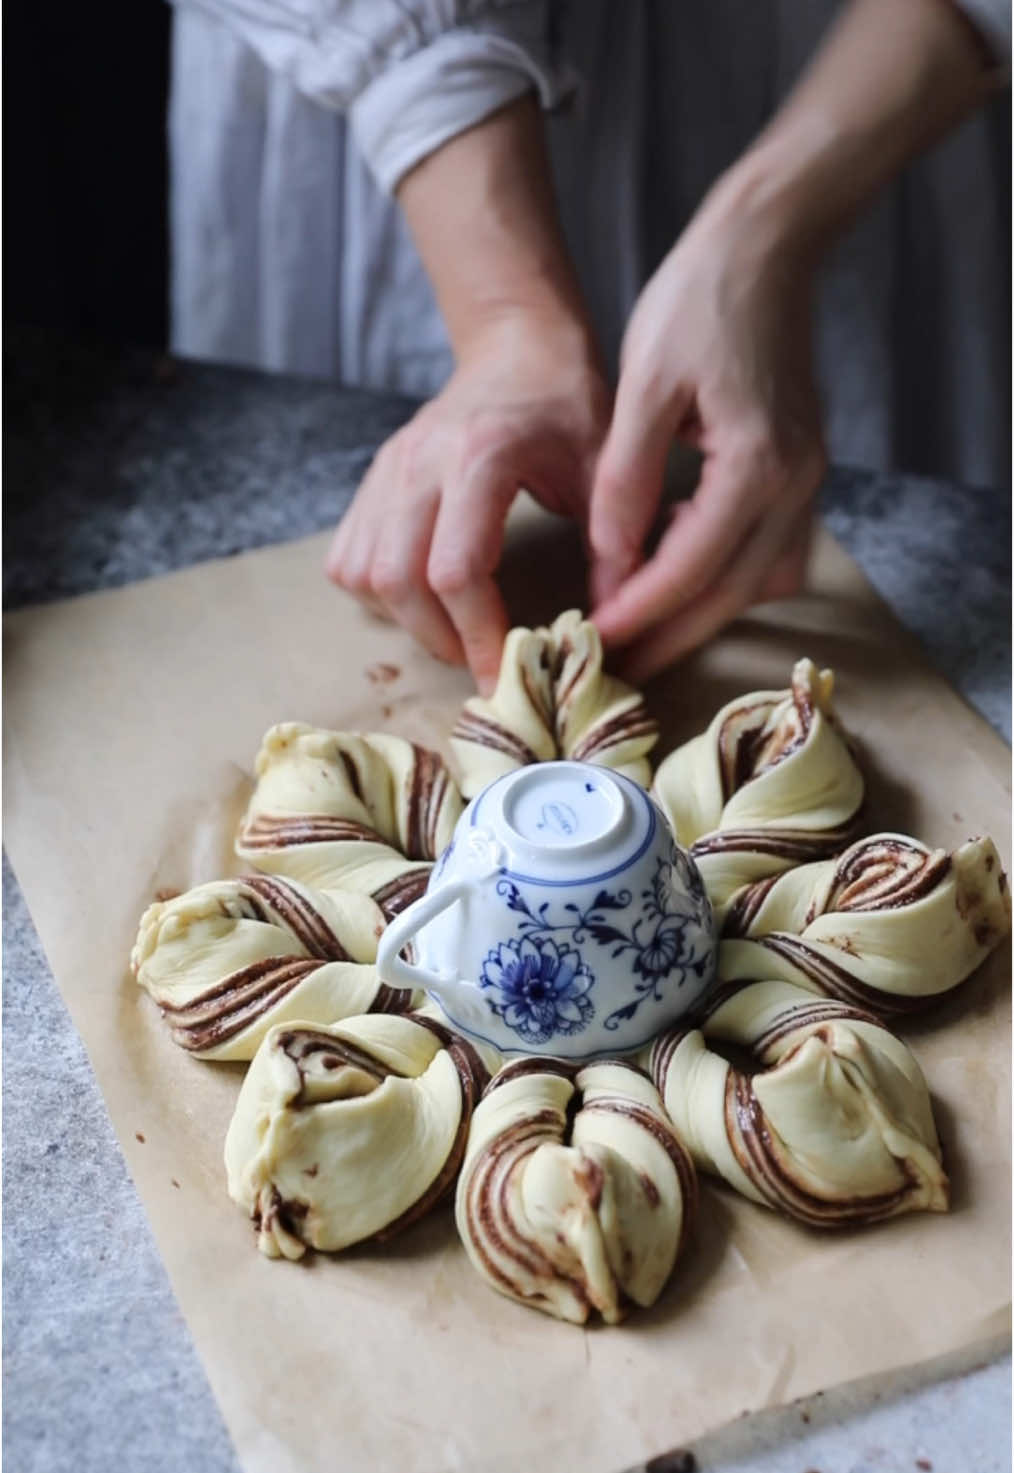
column 835, row 1129
column 887, row 925
column 226, row 960
column 770, row 784
column 552, row 700
column 349, row 1132
column 342, row 811
column 596, row 1224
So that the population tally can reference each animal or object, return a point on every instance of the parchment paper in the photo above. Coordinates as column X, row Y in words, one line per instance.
column 132, row 721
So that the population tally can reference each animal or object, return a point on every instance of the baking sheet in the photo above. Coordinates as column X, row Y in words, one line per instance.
column 132, row 720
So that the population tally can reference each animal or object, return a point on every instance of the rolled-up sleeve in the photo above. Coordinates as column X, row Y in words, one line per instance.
column 410, row 74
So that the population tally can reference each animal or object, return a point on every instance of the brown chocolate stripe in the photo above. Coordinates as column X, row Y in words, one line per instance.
column 471, row 1076
column 623, row 728
column 267, row 832
column 391, row 1000
column 423, row 783
column 667, row 1139
column 914, row 874
column 562, row 693
column 300, row 1044
column 661, row 1056
column 434, row 808
column 796, row 845
column 836, row 981
column 738, row 740
column 471, row 1069
column 486, row 1191
column 287, row 1213
column 519, row 1068
column 298, row 915
column 744, row 907
column 810, row 1017
column 536, row 693
column 351, row 773
column 483, row 732
column 401, row 891
column 222, row 1011
column 750, row 1139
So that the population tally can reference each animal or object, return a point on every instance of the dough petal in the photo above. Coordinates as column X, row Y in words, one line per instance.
column 349, row 1132
column 553, row 700
column 342, row 811
column 574, row 1218
column 770, row 784
column 886, row 926
column 228, row 960
column 834, row 1128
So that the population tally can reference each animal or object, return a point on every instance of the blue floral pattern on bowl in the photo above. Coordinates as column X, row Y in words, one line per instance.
column 581, row 939
column 540, row 986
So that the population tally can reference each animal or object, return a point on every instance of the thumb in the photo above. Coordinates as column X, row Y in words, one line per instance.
column 628, row 486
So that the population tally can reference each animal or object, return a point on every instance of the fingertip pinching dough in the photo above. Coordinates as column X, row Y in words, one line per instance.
column 553, row 699
column 575, row 1181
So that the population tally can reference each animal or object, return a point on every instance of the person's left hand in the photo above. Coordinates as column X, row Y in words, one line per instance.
column 716, row 354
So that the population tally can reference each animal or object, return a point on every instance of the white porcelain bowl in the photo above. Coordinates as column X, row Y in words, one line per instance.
column 563, row 918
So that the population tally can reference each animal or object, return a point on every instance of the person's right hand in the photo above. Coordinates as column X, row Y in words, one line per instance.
column 526, row 408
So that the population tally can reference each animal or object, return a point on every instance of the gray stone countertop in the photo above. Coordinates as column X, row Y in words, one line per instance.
column 121, row 465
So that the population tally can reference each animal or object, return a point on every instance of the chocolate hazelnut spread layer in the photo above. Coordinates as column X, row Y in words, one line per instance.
column 226, row 961
column 552, row 700
column 338, row 810
column 834, row 1127
column 576, row 1194
column 350, row 1131
column 886, row 926
column 770, row 784
column 576, row 1181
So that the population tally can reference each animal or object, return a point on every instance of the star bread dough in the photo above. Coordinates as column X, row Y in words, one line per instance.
column 576, row 1217
column 226, row 960
column 834, row 1128
column 887, row 925
column 349, row 1132
column 575, row 1182
column 342, row 811
column 770, row 784
column 553, row 700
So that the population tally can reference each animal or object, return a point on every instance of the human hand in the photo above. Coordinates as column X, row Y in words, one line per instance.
column 716, row 354
column 526, row 407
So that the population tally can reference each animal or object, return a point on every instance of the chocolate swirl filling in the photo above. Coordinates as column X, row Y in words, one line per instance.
column 331, row 1068
column 490, row 1210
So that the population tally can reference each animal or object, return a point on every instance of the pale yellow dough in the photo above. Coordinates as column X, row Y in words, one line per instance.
column 836, row 1127
column 227, row 960
column 348, row 1132
column 576, row 1183
column 553, row 700
column 770, row 784
column 887, row 925
column 570, row 1226
column 340, row 810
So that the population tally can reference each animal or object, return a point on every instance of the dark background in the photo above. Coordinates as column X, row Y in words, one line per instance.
column 86, row 237
column 85, row 91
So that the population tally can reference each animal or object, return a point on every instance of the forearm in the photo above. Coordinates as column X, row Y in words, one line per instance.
column 482, row 213
column 891, row 77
